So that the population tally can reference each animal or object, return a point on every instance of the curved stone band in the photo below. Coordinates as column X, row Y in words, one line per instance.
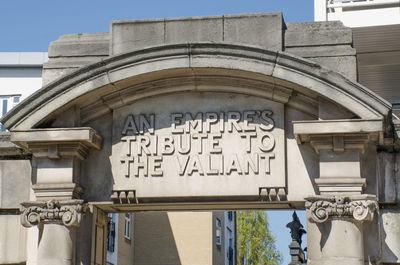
column 322, row 208
column 68, row 213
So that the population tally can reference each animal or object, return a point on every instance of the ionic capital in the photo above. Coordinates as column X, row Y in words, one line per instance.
column 360, row 208
column 68, row 213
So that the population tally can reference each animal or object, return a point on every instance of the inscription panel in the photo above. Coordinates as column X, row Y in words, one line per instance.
column 199, row 144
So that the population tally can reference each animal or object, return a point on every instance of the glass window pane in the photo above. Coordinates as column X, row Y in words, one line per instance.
column 4, row 106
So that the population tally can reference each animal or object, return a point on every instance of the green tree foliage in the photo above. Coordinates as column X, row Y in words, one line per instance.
column 255, row 244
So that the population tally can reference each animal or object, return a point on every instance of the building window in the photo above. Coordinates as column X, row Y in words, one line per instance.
column 111, row 236
column 127, row 233
column 230, row 215
column 7, row 102
column 229, row 253
column 218, row 232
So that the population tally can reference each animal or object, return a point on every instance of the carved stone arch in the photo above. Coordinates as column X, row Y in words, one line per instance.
column 112, row 83
column 274, row 75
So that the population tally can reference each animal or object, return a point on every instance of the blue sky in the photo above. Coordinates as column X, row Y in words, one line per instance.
column 277, row 221
column 27, row 25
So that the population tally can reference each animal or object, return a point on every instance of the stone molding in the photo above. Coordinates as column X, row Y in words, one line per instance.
column 361, row 208
column 59, row 142
column 68, row 213
column 339, row 135
column 281, row 67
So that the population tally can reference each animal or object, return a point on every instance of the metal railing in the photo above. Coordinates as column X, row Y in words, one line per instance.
column 333, row 4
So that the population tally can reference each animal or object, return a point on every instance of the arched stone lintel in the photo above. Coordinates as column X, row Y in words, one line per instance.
column 276, row 66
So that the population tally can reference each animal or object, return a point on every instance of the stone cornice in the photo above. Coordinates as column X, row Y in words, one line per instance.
column 338, row 135
column 68, row 213
column 361, row 208
column 59, row 142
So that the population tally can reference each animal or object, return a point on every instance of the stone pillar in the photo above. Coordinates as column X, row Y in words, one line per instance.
column 57, row 155
column 335, row 234
column 56, row 220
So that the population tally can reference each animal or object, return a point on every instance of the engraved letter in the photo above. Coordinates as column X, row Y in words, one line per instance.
column 195, row 165
column 140, row 164
column 248, row 137
column 196, row 122
column 155, row 166
column 209, row 169
column 182, row 166
column 267, row 158
column 200, row 137
column 214, row 143
column 145, row 124
column 129, row 125
column 184, row 148
column 176, row 119
column 127, row 161
column 233, row 164
column 144, row 143
column 211, row 118
column 222, row 122
column 128, row 140
column 266, row 142
column 233, row 119
column 267, row 123
column 248, row 119
column 252, row 163
column 166, row 144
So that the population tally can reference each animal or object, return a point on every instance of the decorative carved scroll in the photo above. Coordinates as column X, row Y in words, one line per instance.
column 321, row 208
column 68, row 213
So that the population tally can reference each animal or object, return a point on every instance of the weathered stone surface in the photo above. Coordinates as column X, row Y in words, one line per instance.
column 12, row 240
column 317, row 34
column 72, row 45
column 194, row 29
column 390, row 231
column 322, row 51
column 346, row 65
column 9, row 149
column 56, row 245
column 130, row 35
column 266, row 31
column 388, row 178
column 195, row 145
column 15, row 182
column 72, row 51
column 327, row 43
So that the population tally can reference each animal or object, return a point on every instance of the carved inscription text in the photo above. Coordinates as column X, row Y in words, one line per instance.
column 202, row 143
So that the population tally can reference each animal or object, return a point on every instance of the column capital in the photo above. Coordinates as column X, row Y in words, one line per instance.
column 68, row 213
column 360, row 208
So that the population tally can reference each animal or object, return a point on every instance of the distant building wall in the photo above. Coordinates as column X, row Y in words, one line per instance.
column 20, row 76
column 183, row 238
column 125, row 247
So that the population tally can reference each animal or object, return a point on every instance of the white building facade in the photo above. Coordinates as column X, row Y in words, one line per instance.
column 358, row 13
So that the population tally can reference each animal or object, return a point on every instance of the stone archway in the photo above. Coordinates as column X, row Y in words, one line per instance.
column 104, row 109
